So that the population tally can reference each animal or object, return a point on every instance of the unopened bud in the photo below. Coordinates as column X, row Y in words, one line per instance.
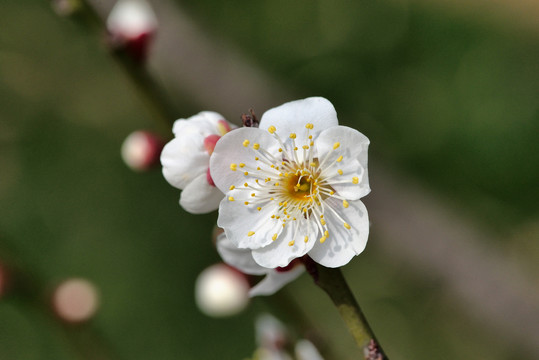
column 221, row 291
column 132, row 24
column 141, row 150
column 75, row 300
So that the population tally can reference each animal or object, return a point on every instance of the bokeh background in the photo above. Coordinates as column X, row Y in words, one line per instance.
column 447, row 91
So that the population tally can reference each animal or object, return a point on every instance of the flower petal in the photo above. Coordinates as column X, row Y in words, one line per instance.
column 199, row 197
column 353, row 147
column 239, row 147
column 280, row 252
column 241, row 259
column 275, row 280
column 342, row 244
column 183, row 160
column 292, row 117
column 244, row 225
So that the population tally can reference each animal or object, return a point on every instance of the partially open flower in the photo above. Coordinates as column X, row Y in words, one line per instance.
column 242, row 259
column 293, row 186
column 131, row 24
column 186, row 158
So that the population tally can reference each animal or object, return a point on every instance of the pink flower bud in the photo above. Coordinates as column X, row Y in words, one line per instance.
column 131, row 24
column 75, row 300
column 141, row 150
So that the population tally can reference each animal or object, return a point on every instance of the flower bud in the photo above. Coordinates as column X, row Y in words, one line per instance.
column 221, row 291
column 75, row 300
column 132, row 24
column 141, row 150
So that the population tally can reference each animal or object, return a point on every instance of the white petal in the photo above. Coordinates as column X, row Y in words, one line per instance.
column 199, row 197
column 239, row 220
column 241, row 259
column 279, row 253
column 292, row 117
column 275, row 280
column 342, row 244
column 204, row 123
column 184, row 159
column 230, row 150
column 353, row 147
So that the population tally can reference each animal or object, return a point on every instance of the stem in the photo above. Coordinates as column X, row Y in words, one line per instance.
column 149, row 90
column 334, row 284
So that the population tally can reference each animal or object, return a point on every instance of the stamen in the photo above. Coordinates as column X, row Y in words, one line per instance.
column 230, row 198
column 246, row 143
column 272, row 129
column 233, row 167
column 355, row 180
column 250, row 233
column 232, row 187
column 336, row 145
column 345, row 204
column 347, row 226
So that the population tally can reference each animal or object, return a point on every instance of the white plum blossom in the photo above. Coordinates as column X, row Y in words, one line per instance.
column 293, row 186
column 242, row 260
column 186, row 158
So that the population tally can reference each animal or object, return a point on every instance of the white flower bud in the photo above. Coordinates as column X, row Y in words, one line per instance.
column 221, row 291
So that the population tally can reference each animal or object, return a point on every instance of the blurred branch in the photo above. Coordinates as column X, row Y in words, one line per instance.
column 150, row 92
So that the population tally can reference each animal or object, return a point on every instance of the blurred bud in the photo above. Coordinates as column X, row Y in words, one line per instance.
column 221, row 291
column 270, row 332
column 75, row 300
column 141, row 150
column 66, row 7
column 132, row 24
column 305, row 350
column 3, row 279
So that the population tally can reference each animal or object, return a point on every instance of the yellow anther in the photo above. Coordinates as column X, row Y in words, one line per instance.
column 242, row 165
column 245, row 184
column 313, row 164
column 331, row 192
column 250, row 233
column 292, row 136
column 309, row 126
column 305, row 147
column 232, row 187
column 256, row 159
column 322, row 221
column 347, row 226
column 271, row 129
column 336, row 145
column 259, row 208
column 246, row 142
column 246, row 173
column 310, row 137
column 230, row 198
column 233, row 167
column 291, row 243
column 306, row 239
column 258, row 168
column 339, row 159
column 273, row 216
column 274, row 237
column 355, row 180
column 339, row 171
column 345, row 203
column 312, row 143
column 272, row 166
column 326, row 234
column 322, row 239
column 277, row 217
column 276, row 184
column 280, row 150
column 271, row 199
column 253, row 194
column 246, row 203
column 321, row 216
column 256, row 146
column 304, row 210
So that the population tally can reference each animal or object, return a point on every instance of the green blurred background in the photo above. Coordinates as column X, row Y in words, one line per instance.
column 449, row 98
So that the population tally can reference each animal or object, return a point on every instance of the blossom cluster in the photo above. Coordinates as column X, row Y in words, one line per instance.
column 287, row 189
